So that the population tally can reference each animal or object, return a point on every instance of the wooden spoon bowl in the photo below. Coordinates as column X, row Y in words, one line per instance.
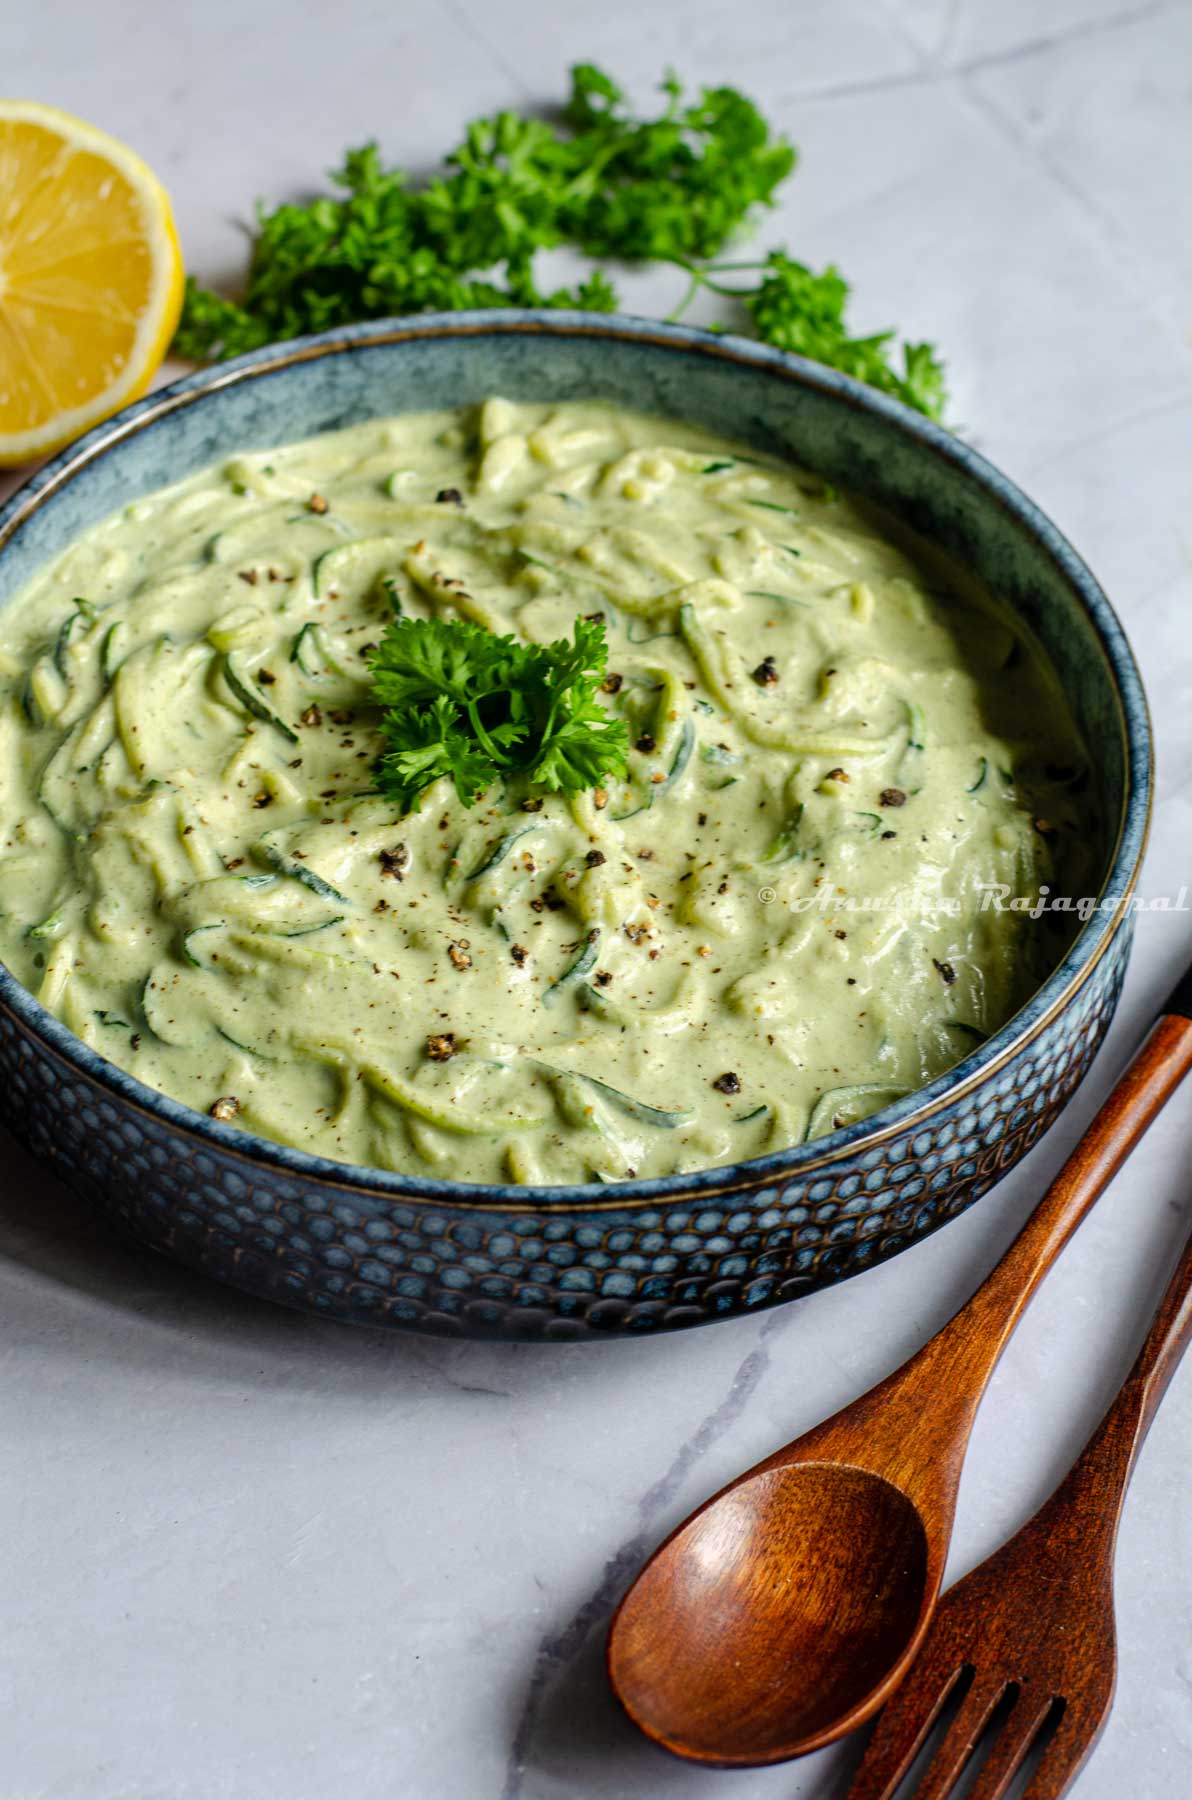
column 806, row 1582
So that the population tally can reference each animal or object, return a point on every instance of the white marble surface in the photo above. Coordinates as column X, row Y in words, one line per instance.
column 246, row 1553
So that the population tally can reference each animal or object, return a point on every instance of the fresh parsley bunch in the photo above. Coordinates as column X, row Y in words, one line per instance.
column 674, row 188
column 605, row 181
column 462, row 702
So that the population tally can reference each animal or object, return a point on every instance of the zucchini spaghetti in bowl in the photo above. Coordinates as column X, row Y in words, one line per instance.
column 770, row 919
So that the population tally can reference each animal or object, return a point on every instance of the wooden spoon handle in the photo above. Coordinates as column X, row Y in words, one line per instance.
column 1141, row 1092
column 922, row 1414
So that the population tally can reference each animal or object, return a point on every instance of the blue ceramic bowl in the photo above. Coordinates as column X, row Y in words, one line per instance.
column 578, row 1262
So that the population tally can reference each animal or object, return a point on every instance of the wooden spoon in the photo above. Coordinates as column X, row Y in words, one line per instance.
column 1026, row 1643
column 784, row 1612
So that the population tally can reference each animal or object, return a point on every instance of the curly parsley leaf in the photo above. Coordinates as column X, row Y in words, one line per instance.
column 461, row 702
column 673, row 188
column 796, row 309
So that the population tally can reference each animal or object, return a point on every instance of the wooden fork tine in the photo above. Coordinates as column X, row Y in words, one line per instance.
column 902, row 1727
column 961, row 1738
column 1065, row 1756
column 1012, row 1743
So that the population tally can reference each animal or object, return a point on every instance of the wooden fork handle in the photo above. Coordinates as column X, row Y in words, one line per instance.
column 1101, row 1474
column 1164, row 1346
column 1180, row 998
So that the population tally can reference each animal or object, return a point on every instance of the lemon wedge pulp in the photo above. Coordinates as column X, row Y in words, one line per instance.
column 90, row 278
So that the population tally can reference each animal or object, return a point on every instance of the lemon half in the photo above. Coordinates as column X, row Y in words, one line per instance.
column 90, row 278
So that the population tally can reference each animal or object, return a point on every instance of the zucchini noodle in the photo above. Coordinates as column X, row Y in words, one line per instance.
column 771, row 926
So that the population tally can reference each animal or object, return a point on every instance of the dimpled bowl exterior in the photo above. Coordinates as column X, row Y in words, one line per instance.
column 585, row 1262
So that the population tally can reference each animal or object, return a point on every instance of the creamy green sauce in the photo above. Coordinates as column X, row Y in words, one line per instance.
column 661, row 976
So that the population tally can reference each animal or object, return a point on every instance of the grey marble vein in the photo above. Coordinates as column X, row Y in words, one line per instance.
column 559, row 1648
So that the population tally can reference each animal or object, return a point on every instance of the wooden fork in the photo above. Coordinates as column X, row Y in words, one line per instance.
column 1030, row 1633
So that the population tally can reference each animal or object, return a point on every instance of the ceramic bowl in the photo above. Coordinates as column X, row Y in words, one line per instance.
column 582, row 1262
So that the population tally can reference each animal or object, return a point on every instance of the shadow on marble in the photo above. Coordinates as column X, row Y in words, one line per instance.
column 573, row 1738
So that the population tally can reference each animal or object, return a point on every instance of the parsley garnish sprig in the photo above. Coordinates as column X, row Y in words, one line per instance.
column 675, row 188
column 461, row 702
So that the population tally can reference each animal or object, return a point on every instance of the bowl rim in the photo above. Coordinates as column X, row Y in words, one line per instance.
column 915, row 1110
